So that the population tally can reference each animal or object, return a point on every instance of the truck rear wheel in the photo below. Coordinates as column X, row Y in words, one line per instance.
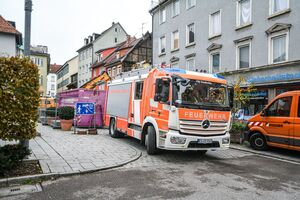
column 258, row 141
column 112, row 129
column 150, row 141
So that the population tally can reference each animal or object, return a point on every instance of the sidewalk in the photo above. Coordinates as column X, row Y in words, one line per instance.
column 63, row 152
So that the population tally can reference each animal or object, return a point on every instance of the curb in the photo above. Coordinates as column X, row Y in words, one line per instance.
column 266, row 155
column 43, row 177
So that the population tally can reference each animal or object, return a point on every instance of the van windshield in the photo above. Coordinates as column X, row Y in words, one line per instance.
column 201, row 94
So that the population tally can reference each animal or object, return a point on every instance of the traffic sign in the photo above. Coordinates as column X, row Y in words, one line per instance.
column 85, row 108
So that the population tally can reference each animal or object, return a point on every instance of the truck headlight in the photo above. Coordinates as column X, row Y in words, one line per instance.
column 177, row 140
column 225, row 140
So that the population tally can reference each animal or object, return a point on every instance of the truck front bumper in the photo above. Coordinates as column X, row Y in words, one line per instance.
column 176, row 141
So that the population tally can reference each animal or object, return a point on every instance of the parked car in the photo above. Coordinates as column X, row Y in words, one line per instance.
column 278, row 124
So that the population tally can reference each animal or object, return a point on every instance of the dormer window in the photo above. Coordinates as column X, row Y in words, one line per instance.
column 118, row 55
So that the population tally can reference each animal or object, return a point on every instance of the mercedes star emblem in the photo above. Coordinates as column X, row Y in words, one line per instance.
column 205, row 124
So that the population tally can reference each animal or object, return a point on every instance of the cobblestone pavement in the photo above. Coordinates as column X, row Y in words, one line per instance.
column 229, row 174
column 63, row 152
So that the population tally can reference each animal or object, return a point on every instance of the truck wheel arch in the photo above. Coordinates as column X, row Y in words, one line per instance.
column 149, row 121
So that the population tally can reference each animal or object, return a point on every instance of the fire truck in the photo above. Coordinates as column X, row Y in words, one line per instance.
column 171, row 109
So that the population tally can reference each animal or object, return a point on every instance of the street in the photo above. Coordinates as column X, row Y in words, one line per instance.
column 230, row 174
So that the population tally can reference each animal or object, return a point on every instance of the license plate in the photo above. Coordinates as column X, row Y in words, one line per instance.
column 204, row 141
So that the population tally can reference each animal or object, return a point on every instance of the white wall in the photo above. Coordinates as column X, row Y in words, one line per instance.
column 7, row 45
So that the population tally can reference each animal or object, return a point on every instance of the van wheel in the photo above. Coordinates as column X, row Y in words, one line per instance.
column 112, row 129
column 150, row 141
column 258, row 141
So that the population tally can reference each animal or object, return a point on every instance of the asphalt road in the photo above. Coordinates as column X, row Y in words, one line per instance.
column 230, row 174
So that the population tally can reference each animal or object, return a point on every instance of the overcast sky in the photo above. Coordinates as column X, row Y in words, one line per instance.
column 63, row 24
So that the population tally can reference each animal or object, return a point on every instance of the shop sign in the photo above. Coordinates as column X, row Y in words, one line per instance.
column 274, row 78
column 256, row 94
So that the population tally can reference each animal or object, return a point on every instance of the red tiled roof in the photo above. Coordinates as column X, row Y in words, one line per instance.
column 6, row 27
column 54, row 68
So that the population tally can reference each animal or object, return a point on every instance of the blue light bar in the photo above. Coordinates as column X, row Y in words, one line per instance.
column 175, row 70
column 219, row 76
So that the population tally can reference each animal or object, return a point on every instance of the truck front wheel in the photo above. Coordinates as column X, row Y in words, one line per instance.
column 258, row 141
column 150, row 141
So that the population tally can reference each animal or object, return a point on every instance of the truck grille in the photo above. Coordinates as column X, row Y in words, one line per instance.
column 194, row 127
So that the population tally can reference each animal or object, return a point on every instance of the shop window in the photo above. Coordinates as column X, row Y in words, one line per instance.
column 138, row 90
column 280, row 108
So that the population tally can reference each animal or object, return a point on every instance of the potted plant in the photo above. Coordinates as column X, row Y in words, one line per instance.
column 66, row 115
column 236, row 131
column 50, row 114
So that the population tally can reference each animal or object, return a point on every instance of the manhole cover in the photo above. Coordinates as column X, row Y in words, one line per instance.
column 22, row 189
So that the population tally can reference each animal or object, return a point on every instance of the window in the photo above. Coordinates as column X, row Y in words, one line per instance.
column 113, row 72
column 176, row 8
column 243, row 56
column 190, row 34
column 109, row 72
column 278, row 6
column 244, row 8
column 175, row 40
column 41, row 80
column 190, row 64
column 175, row 65
column 280, row 108
column 87, row 68
column 52, row 78
column 162, row 15
column 215, row 62
column 42, row 62
column 52, row 87
column 299, row 107
column 190, row 3
column 52, row 94
column 116, row 30
column 138, row 90
column 116, row 40
column 162, row 45
column 162, row 90
column 279, row 48
column 215, row 24
column 119, row 70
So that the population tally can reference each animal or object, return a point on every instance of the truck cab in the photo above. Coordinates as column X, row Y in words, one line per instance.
column 278, row 124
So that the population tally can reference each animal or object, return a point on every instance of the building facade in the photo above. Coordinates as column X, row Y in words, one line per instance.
column 258, row 40
column 87, row 54
column 40, row 57
column 10, row 38
column 66, row 74
column 52, row 80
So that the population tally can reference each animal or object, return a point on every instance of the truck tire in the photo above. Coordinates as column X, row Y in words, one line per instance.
column 258, row 141
column 112, row 129
column 151, row 141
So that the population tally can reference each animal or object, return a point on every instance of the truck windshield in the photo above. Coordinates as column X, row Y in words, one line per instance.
column 200, row 94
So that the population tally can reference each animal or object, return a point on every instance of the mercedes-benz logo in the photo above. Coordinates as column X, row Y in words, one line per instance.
column 206, row 124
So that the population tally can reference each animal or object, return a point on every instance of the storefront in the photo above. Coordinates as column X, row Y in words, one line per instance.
column 269, row 81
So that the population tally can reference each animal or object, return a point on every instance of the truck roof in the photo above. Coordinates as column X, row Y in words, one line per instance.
column 143, row 73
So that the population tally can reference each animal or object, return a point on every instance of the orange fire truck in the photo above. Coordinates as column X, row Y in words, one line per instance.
column 170, row 109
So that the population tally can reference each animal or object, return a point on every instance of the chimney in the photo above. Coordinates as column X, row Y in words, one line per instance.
column 86, row 41
column 12, row 23
column 113, row 23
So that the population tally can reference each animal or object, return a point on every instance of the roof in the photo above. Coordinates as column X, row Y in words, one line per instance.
column 54, row 68
column 6, row 27
column 101, row 34
column 160, row 3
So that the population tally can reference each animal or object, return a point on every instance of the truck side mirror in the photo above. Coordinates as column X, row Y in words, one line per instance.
column 231, row 96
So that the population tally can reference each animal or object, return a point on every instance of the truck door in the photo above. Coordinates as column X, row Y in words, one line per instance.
column 296, row 130
column 279, row 123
